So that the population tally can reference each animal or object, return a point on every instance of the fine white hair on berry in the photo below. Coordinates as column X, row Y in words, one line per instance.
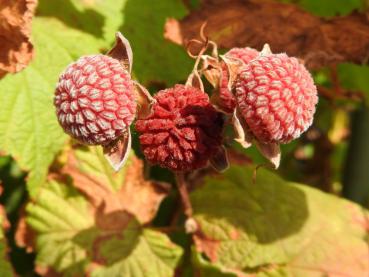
column 276, row 96
column 87, row 99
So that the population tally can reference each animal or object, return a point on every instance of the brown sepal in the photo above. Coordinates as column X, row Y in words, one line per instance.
column 194, row 80
column 122, row 51
column 271, row 151
column 219, row 161
column 144, row 101
column 243, row 136
column 233, row 68
column 117, row 151
column 211, row 69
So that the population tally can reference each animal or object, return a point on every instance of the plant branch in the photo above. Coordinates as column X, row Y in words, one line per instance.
column 182, row 188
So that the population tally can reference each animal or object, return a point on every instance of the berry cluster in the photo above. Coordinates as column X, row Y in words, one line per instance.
column 271, row 98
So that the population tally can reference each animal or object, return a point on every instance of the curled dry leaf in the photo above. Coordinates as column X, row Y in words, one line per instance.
column 237, row 23
column 16, row 51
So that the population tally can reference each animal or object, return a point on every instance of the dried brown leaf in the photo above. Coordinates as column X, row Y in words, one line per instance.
column 286, row 27
column 24, row 236
column 208, row 246
column 16, row 51
column 114, row 209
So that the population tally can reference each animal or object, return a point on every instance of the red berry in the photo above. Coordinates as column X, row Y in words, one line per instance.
column 183, row 131
column 94, row 100
column 226, row 99
column 276, row 96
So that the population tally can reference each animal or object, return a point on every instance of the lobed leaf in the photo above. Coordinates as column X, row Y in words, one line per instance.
column 102, row 236
column 29, row 130
column 276, row 228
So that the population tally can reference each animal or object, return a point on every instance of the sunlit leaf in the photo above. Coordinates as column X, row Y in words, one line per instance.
column 276, row 227
column 29, row 130
column 102, row 236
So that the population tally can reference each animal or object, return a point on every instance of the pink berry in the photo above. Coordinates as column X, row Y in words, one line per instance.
column 183, row 131
column 276, row 96
column 94, row 100
column 226, row 99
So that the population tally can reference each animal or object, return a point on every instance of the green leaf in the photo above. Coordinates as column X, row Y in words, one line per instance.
column 155, row 59
column 278, row 228
column 152, row 254
column 102, row 236
column 29, row 130
column 354, row 77
column 5, row 266
column 92, row 162
column 99, row 18
column 331, row 7
column 141, row 21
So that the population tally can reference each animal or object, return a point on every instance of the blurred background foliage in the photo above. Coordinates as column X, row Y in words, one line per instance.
column 332, row 156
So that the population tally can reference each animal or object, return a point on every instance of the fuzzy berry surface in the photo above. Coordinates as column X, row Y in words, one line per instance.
column 276, row 96
column 94, row 100
column 226, row 98
column 183, row 130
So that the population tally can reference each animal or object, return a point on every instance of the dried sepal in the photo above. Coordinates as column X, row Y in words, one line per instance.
column 194, row 80
column 240, row 128
column 117, row 152
column 219, row 161
column 266, row 50
column 233, row 66
column 211, row 69
column 144, row 100
column 271, row 151
column 215, row 101
column 122, row 51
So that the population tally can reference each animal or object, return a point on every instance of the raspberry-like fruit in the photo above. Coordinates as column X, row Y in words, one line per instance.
column 95, row 100
column 183, row 130
column 276, row 96
column 226, row 99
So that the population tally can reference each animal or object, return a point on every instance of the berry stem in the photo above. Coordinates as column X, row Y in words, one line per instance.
column 182, row 188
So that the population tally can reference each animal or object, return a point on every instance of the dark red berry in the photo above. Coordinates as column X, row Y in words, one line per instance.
column 183, row 131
